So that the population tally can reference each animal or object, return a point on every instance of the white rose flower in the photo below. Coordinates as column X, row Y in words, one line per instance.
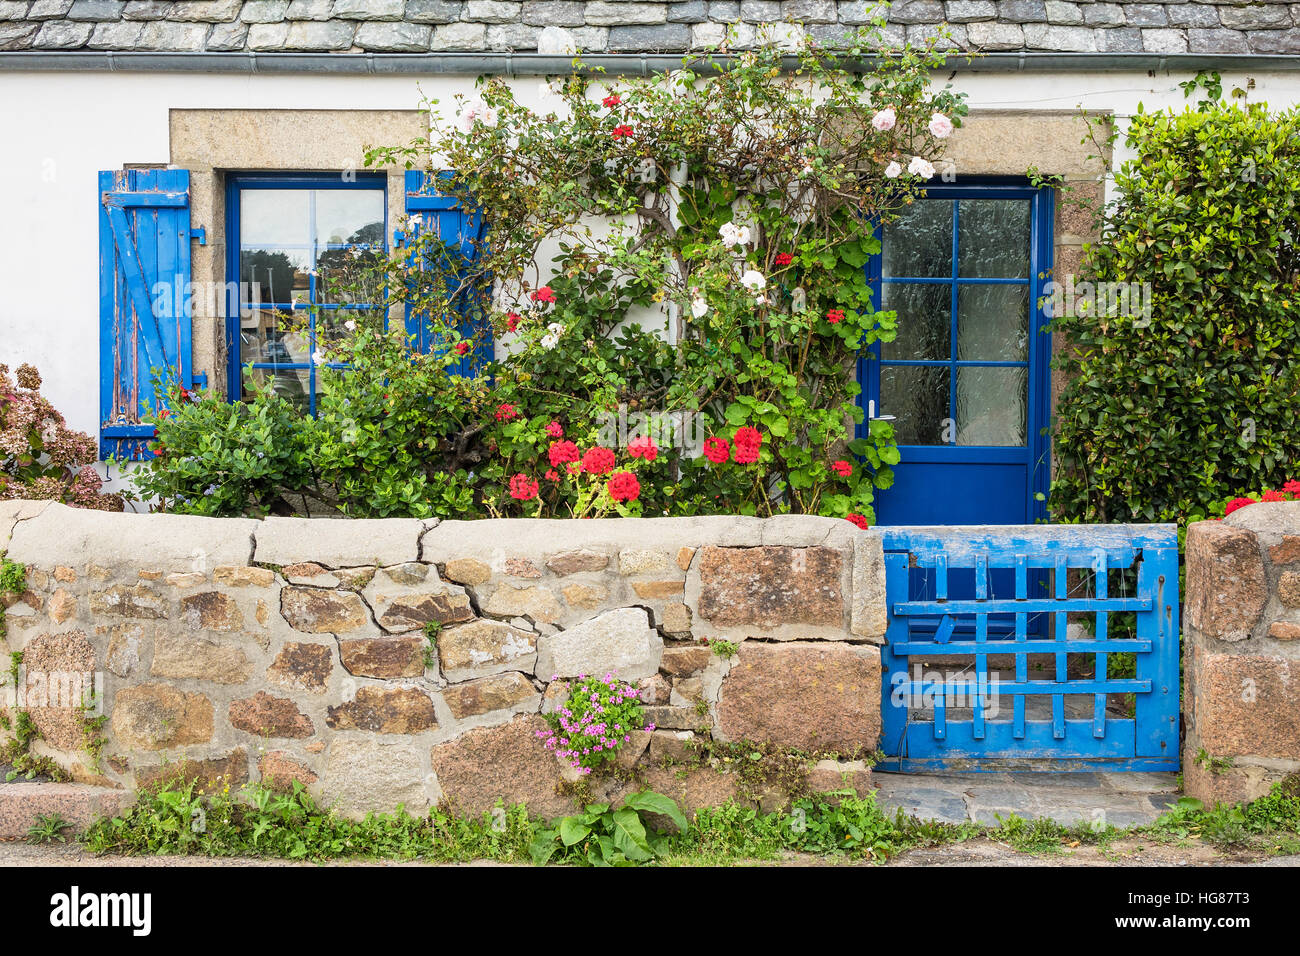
column 730, row 234
column 350, row 325
column 743, row 236
column 550, row 341
column 476, row 114
column 940, row 126
column 893, row 171
column 920, row 167
column 413, row 222
column 699, row 306
column 884, row 119
column 753, row 279
column 318, row 357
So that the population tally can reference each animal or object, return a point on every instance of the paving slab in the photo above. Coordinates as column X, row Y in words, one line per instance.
column 1118, row 799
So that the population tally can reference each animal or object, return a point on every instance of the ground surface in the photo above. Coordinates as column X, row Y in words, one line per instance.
column 1117, row 799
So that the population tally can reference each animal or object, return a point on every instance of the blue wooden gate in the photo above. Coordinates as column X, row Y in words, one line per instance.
column 968, row 684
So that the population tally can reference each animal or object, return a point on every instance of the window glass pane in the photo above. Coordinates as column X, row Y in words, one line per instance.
column 993, row 323
column 347, row 276
column 274, row 217
column 349, row 215
column 991, row 405
column 276, row 337
column 924, row 321
column 993, row 238
column 917, row 396
column 919, row 243
column 281, row 275
column 291, row 384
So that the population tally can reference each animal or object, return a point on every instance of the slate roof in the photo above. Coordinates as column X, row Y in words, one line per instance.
column 620, row 26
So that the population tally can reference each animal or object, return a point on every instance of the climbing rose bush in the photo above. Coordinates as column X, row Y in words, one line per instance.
column 675, row 286
column 40, row 456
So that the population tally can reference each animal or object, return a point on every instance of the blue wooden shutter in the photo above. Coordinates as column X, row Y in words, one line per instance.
column 463, row 230
column 144, row 295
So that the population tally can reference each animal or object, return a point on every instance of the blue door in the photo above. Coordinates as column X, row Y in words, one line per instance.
column 966, row 380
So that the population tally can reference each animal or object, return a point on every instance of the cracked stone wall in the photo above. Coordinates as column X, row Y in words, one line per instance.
column 1241, row 646
column 293, row 649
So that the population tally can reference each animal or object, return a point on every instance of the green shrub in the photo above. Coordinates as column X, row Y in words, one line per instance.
column 1161, row 420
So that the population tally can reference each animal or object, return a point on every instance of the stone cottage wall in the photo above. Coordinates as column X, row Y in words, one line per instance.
column 1242, row 653
column 287, row 649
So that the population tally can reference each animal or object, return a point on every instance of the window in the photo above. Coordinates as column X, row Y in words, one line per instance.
column 290, row 240
column 957, row 268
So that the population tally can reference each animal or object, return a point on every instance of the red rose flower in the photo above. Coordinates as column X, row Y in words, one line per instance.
column 563, row 451
column 747, row 441
column 621, row 130
column 462, row 348
column 834, row 315
column 624, row 486
column 643, row 447
column 784, row 258
column 717, row 450
column 612, row 100
column 858, row 520
column 555, row 430
column 506, row 412
column 523, row 488
column 1236, row 504
column 512, row 321
column 598, row 461
column 544, row 294
column 842, row 468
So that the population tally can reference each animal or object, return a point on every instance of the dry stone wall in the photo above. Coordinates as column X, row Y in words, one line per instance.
column 292, row 649
column 1241, row 649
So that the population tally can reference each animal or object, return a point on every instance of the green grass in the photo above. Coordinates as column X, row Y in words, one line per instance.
column 833, row 827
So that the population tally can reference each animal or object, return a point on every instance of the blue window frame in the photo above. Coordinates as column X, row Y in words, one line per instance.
column 966, row 382
column 286, row 236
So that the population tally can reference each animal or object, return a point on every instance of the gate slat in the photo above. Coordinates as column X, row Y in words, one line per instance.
column 1061, row 634
column 1022, row 660
column 1099, row 702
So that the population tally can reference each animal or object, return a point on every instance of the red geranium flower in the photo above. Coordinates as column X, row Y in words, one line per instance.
column 1274, row 496
column 598, row 461
column 1237, row 503
column 834, row 315
column 717, row 450
column 512, row 321
column 747, row 441
column 544, row 294
column 612, row 100
column 575, row 468
column 842, row 468
column 643, row 447
column 462, row 348
column 555, row 430
column 1292, row 487
column 624, row 486
column 857, row 519
column 621, row 130
column 551, row 475
column 523, row 488
column 562, row 451
column 506, row 412
column 784, row 258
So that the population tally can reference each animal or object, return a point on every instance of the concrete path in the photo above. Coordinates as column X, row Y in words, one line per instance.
column 1118, row 799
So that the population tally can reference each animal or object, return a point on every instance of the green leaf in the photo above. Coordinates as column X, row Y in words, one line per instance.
column 629, row 835
column 573, row 830
column 648, row 801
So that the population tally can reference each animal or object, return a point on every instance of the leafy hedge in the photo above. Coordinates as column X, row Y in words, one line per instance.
column 1164, row 416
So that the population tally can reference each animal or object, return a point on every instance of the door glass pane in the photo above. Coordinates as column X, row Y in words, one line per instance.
column 919, row 243
column 282, row 275
column 924, row 321
column 993, row 238
column 274, row 217
column 917, row 396
column 993, row 323
column 349, row 215
column 990, row 405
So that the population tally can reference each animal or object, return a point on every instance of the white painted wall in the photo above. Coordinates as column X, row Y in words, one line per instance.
column 57, row 130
